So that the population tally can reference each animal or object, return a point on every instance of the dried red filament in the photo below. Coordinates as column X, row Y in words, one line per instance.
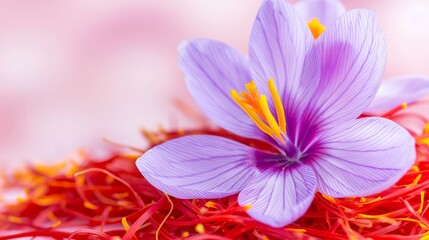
column 109, row 199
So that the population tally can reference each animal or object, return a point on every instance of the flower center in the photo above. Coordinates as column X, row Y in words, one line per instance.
column 316, row 27
column 255, row 105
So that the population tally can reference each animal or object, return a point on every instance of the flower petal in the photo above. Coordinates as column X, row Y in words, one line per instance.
column 353, row 54
column 279, row 197
column 403, row 89
column 326, row 11
column 363, row 157
column 198, row 166
column 283, row 48
column 211, row 70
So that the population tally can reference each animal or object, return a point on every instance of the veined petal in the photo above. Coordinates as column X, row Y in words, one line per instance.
column 211, row 70
column 326, row 11
column 198, row 166
column 282, row 47
column 353, row 51
column 363, row 157
column 278, row 197
column 403, row 89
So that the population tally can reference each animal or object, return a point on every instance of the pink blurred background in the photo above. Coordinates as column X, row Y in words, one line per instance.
column 73, row 72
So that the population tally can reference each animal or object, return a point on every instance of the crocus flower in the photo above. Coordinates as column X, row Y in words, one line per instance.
column 301, row 90
column 394, row 91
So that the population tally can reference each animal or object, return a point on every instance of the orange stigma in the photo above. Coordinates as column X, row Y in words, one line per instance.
column 256, row 107
column 316, row 27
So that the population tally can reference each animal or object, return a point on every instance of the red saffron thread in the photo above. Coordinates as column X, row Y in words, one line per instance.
column 110, row 199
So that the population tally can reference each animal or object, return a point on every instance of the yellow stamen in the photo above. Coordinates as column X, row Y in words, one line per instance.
column 49, row 199
column 52, row 170
column 125, row 224
column 329, row 198
column 199, row 228
column 89, row 205
column 415, row 182
column 247, row 207
column 251, row 88
column 298, row 230
column 382, row 217
column 210, row 204
column 316, row 27
column 14, row 219
column 423, row 141
column 120, row 195
column 277, row 104
column 270, row 118
column 252, row 114
column 426, row 129
column 422, row 201
column 371, row 201
column 415, row 168
column 185, row 234
column 257, row 108
column 56, row 224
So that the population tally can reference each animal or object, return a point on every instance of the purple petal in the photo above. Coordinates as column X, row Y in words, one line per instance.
column 212, row 69
column 403, row 89
column 198, row 166
column 326, row 11
column 363, row 157
column 282, row 47
column 353, row 54
column 279, row 197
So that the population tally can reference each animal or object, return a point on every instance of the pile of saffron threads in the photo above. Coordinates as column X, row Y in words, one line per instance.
column 109, row 199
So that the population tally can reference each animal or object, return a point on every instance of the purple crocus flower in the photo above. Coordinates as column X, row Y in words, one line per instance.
column 394, row 91
column 304, row 100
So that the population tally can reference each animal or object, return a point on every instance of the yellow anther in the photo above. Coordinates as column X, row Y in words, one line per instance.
column 316, row 27
column 371, row 201
column 56, row 224
column 125, row 224
column 298, row 230
column 247, row 207
column 415, row 168
column 426, row 129
column 270, row 118
column 52, row 217
column 329, row 198
column 252, row 114
column 422, row 201
column 120, row 195
column 251, row 88
column 51, row 170
column 89, row 205
column 277, row 104
column 257, row 108
column 200, row 228
column 72, row 170
column 80, row 180
column 404, row 105
column 49, row 199
column 423, row 141
column 416, row 181
column 14, row 219
column 210, row 204
column 185, row 234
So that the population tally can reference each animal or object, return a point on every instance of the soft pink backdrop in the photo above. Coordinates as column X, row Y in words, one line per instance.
column 73, row 72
